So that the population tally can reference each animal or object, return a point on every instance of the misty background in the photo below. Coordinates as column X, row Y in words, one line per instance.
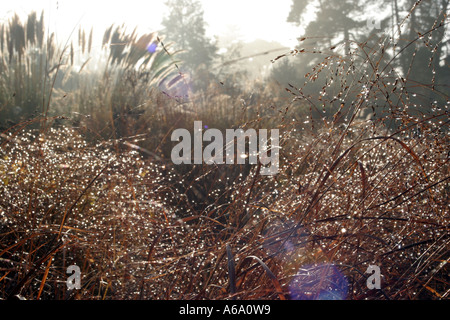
column 91, row 91
column 246, row 35
column 257, row 47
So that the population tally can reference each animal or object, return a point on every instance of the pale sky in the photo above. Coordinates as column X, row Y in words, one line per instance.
column 255, row 19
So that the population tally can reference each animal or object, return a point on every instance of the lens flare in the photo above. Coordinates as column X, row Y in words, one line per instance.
column 319, row 282
column 179, row 86
column 152, row 47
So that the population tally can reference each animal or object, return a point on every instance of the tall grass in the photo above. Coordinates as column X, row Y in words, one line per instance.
column 364, row 180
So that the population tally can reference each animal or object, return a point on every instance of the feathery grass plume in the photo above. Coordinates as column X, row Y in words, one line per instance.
column 51, row 47
column 90, row 40
column 17, row 36
column 40, row 31
column 71, row 53
column 25, row 82
column 119, row 41
column 83, row 41
column 131, row 73
column 107, row 36
column 10, row 45
column 31, row 28
column 80, row 39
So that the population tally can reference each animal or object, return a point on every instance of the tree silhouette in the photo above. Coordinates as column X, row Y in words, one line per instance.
column 428, row 52
column 185, row 26
column 335, row 20
column 419, row 55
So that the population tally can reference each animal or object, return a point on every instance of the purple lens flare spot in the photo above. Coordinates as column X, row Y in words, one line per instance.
column 319, row 282
column 152, row 47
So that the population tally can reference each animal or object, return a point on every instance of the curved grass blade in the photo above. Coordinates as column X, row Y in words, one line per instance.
column 272, row 277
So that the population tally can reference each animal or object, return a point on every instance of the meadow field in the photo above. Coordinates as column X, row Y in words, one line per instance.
column 87, row 179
